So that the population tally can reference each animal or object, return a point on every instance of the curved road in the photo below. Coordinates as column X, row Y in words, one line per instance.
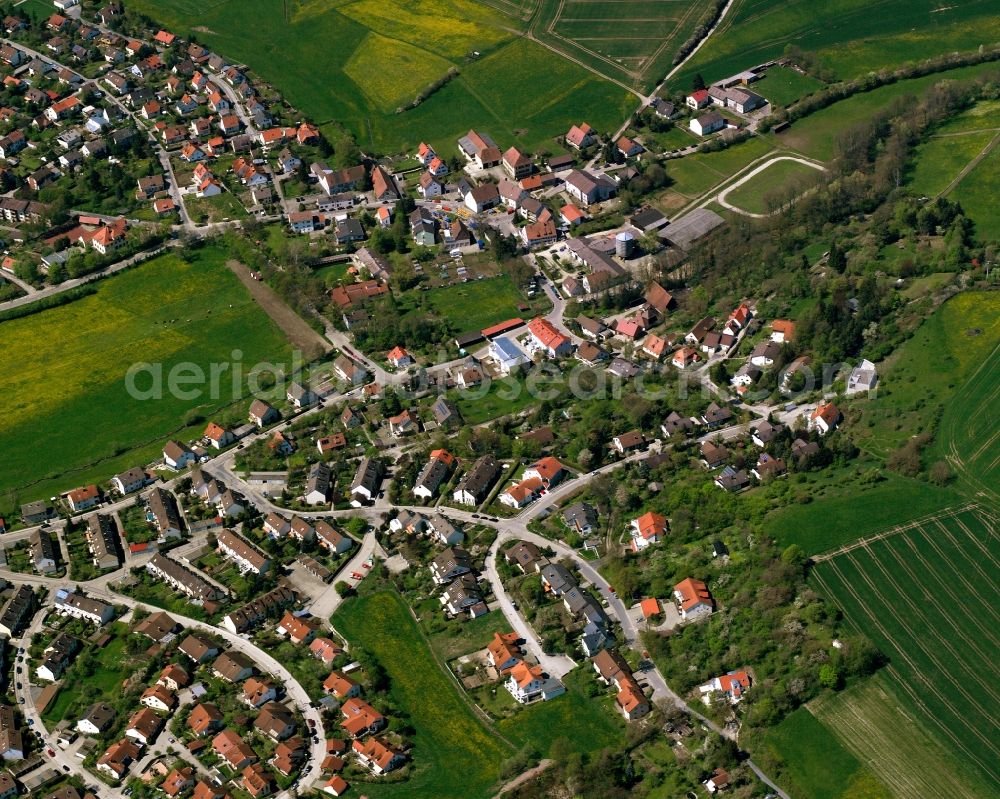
column 99, row 589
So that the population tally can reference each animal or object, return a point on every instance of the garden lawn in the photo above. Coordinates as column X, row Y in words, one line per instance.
column 469, row 306
column 587, row 723
column 102, row 685
column 454, row 753
column 69, row 417
column 814, row 763
column 783, row 86
column 502, row 397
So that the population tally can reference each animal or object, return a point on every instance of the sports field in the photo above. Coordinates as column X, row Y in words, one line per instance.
column 693, row 175
column 630, row 40
column 68, row 416
column 927, row 594
column 849, row 37
column 759, row 194
column 355, row 63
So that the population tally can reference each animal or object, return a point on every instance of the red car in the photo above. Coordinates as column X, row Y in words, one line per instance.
column 357, row 576
column 366, row 565
column 51, row 753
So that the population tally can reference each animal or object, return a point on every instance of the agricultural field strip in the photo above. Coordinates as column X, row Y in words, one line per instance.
column 978, row 543
column 899, row 778
column 974, row 644
column 902, row 682
column 900, row 528
column 877, row 750
column 973, row 590
column 891, row 589
column 648, row 59
column 979, row 414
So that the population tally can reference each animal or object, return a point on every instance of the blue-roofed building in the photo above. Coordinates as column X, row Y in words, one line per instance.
column 507, row 354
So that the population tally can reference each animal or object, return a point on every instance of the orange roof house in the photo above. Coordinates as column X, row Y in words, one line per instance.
column 360, row 717
column 693, row 598
column 547, row 336
column 650, row 607
column 548, row 469
column 782, row 330
column 340, row 685
column 648, row 529
column 503, row 651
column 825, row 418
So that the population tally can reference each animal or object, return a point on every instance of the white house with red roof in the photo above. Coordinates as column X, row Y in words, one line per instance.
column 732, row 685
column 549, row 470
column 648, row 529
column 546, row 336
column 738, row 319
column 399, row 357
column 83, row 498
column 629, row 148
column 523, row 493
column 571, row 215
column 693, row 598
column 580, row 136
column 825, row 418
column 425, row 153
column 685, row 357
column 530, row 683
column 698, row 99
column 218, row 436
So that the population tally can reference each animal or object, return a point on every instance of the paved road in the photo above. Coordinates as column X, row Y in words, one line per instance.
column 556, row 665
column 50, row 291
column 516, row 529
column 100, row 589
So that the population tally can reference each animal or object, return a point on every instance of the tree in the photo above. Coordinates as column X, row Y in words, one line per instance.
column 829, row 677
column 697, row 82
column 941, row 473
column 794, row 556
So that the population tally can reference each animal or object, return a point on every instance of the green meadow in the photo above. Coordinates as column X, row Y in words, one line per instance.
column 69, row 417
column 354, row 64
column 849, row 37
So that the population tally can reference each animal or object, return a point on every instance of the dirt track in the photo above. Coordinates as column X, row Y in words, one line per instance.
column 301, row 336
